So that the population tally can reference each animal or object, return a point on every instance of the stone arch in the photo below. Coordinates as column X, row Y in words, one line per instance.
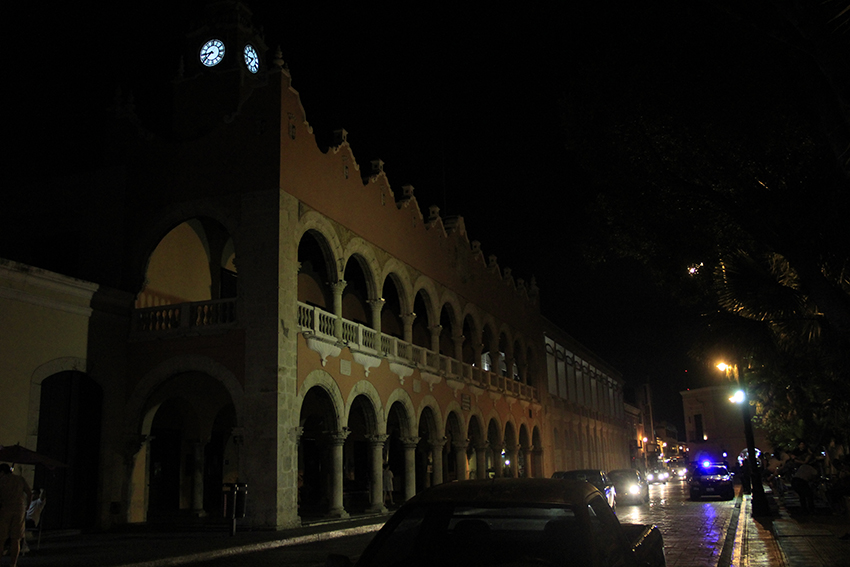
column 429, row 450
column 367, row 389
column 359, row 250
column 431, row 403
column 312, row 221
column 450, row 327
column 356, row 307
column 401, row 275
column 174, row 366
column 320, row 378
column 431, row 294
column 363, row 425
column 170, row 424
column 455, row 453
column 314, row 280
column 169, row 217
column 449, row 297
column 402, row 398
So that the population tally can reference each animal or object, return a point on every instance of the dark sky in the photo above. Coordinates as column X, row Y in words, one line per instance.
column 460, row 102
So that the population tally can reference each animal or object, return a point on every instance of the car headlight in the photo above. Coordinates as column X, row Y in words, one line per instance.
column 634, row 489
column 650, row 476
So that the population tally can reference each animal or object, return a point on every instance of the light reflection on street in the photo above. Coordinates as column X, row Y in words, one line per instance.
column 694, row 532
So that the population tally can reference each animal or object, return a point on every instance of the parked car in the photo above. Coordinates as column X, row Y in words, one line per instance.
column 657, row 475
column 595, row 477
column 711, row 480
column 630, row 485
column 510, row 521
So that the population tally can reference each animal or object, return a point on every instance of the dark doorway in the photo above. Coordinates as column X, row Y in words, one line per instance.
column 69, row 429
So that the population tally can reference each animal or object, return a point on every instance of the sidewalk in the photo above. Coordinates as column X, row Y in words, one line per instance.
column 166, row 546
column 788, row 539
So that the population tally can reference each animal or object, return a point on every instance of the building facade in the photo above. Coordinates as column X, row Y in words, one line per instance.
column 242, row 306
column 715, row 426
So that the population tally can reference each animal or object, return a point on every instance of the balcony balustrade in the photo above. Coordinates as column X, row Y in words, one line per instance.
column 184, row 318
column 360, row 338
column 194, row 318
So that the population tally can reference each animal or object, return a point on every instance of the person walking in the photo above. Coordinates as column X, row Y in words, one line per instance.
column 801, row 483
column 33, row 516
column 388, row 485
column 15, row 497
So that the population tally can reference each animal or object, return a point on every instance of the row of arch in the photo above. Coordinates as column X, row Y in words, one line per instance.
column 351, row 283
column 344, row 445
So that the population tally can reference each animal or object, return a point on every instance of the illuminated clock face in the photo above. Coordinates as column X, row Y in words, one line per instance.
column 212, row 52
column 252, row 61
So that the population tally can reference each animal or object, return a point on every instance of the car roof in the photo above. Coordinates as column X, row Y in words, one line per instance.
column 509, row 491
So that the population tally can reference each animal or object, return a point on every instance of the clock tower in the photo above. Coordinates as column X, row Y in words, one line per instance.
column 222, row 64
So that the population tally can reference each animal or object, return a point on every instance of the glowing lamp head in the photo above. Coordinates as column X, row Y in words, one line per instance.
column 738, row 397
column 706, row 464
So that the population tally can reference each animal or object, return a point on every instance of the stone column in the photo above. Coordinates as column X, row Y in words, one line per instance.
column 509, row 364
column 407, row 321
column 460, row 458
column 338, row 287
column 481, row 458
column 377, row 305
column 511, row 453
column 437, row 460
column 435, row 337
column 409, row 444
column 377, row 444
column 458, row 340
column 495, row 360
column 336, row 441
column 198, row 480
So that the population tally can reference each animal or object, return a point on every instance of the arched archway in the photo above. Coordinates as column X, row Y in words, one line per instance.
column 188, row 422
column 429, row 444
column 357, row 456
column 318, row 421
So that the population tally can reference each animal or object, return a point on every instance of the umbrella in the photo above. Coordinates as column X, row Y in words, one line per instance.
column 16, row 454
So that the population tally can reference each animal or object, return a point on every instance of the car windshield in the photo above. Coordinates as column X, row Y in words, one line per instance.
column 448, row 535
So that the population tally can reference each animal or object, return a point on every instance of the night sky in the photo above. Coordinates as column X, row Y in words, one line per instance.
column 461, row 103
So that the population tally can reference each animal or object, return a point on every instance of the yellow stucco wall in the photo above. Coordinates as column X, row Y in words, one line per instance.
column 43, row 330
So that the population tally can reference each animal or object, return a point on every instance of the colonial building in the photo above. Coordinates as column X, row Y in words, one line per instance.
column 715, row 426
column 233, row 304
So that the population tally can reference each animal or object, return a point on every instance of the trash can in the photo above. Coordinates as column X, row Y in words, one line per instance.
column 235, row 496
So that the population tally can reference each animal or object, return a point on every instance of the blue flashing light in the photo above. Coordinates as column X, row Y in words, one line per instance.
column 706, row 464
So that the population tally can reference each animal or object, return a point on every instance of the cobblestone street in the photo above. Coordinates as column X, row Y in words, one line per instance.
column 694, row 532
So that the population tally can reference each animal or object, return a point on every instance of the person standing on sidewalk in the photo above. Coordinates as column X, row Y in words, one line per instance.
column 801, row 482
column 388, row 485
column 15, row 496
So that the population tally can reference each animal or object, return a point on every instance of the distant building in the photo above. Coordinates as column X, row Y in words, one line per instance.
column 715, row 426
column 234, row 304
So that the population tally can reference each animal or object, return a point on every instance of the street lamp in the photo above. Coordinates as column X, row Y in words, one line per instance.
column 759, row 501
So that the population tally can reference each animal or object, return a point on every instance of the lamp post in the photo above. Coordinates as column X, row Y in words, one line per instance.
column 759, row 500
